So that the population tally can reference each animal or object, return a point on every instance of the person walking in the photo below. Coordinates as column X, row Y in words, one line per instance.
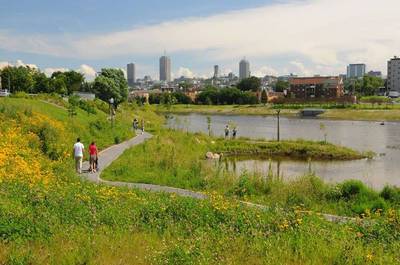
column 234, row 132
column 79, row 150
column 93, row 153
column 226, row 131
column 142, row 126
column 135, row 124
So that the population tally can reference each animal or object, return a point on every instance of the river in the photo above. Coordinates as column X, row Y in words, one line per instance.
column 384, row 140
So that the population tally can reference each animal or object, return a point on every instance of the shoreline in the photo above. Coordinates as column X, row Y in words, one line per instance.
column 372, row 115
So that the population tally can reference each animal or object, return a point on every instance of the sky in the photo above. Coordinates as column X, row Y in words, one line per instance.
column 278, row 37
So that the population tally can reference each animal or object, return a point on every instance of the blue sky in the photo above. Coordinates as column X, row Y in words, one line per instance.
column 278, row 37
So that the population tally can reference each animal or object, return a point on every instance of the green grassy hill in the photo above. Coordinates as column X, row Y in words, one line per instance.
column 49, row 216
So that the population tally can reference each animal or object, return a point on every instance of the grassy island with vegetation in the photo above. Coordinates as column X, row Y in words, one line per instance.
column 363, row 111
column 48, row 215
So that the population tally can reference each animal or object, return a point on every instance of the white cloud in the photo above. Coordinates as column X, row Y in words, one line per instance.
column 17, row 63
column 186, row 72
column 299, row 69
column 49, row 71
column 87, row 71
column 323, row 32
column 265, row 70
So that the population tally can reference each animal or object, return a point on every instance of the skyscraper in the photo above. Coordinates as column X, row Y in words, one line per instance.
column 356, row 70
column 393, row 74
column 244, row 69
column 165, row 68
column 130, row 71
column 216, row 71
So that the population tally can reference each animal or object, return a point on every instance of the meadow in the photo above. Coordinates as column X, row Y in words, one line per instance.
column 48, row 215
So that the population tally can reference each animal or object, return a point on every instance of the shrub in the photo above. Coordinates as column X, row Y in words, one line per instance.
column 351, row 188
column 391, row 194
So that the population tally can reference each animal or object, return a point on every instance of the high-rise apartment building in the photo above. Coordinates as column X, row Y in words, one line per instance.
column 244, row 69
column 131, row 74
column 216, row 71
column 393, row 74
column 356, row 70
column 165, row 69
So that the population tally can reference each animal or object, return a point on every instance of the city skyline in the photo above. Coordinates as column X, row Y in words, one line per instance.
column 73, row 41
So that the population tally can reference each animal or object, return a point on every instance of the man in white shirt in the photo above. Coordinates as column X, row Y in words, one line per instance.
column 79, row 150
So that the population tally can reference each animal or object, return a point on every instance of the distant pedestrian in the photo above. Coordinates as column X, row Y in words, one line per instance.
column 135, row 124
column 142, row 126
column 227, row 131
column 79, row 150
column 93, row 152
column 234, row 132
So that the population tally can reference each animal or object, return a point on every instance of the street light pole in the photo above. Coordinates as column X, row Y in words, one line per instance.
column 111, row 101
column 278, row 125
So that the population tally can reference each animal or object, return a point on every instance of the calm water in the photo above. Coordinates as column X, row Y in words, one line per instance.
column 360, row 135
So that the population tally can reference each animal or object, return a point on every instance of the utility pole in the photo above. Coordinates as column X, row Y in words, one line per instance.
column 278, row 111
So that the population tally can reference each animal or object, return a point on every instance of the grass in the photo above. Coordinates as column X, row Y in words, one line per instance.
column 368, row 112
column 177, row 159
column 50, row 216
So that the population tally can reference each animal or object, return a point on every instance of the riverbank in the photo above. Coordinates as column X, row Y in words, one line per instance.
column 366, row 112
column 48, row 215
column 177, row 159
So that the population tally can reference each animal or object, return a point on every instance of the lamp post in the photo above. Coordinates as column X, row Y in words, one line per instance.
column 111, row 102
column 278, row 111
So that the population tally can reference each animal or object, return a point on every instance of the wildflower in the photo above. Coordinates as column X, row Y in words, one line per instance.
column 369, row 257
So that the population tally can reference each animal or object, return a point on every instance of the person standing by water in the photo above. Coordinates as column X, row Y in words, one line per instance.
column 79, row 150
column 135, row 124
column 93, row 152
column 234, row 132
column 226, row 131
column 142, row 126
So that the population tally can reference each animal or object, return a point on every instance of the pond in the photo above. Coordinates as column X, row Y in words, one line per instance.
column 384, row 140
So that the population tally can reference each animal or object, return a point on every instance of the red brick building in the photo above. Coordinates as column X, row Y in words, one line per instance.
column 316, row 87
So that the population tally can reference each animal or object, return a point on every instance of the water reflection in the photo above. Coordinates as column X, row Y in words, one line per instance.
column 361, row 135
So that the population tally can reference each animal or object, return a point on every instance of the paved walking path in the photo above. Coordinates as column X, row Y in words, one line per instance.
column 107, row 156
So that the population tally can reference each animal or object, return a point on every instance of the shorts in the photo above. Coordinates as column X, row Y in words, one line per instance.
column 93, row 158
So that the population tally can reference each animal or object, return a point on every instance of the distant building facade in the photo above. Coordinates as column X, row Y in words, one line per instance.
column 316, row 87
column 165, row 69
column 216, row 71
column 375, row 74
column 393, row 77
column 356, row 70
column 244, row 69
column 131, row 74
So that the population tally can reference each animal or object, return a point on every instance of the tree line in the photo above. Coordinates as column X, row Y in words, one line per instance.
column 109, row 83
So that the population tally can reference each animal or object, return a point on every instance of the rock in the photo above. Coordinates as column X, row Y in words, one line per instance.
column 209, row 155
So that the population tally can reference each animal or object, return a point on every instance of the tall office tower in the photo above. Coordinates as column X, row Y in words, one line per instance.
column 130, row 71
column 393, row 74
column 165, row 68
column 244, row 69
column 216, row 71
column 356, row 70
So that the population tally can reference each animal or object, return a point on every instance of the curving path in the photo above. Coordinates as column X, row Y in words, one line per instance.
column 107, row 156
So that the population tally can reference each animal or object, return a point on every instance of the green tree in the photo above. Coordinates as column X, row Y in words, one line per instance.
column 250, row 84
column 41, row 83
column 58, row 85
column 72, row 79
column 111, row 83
column 281, row 85
column 18, row 79
column 371, row 85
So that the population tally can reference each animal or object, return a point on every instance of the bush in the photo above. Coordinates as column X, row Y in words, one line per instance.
column 391, row 194
column 351, row 188
column 90, row 108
